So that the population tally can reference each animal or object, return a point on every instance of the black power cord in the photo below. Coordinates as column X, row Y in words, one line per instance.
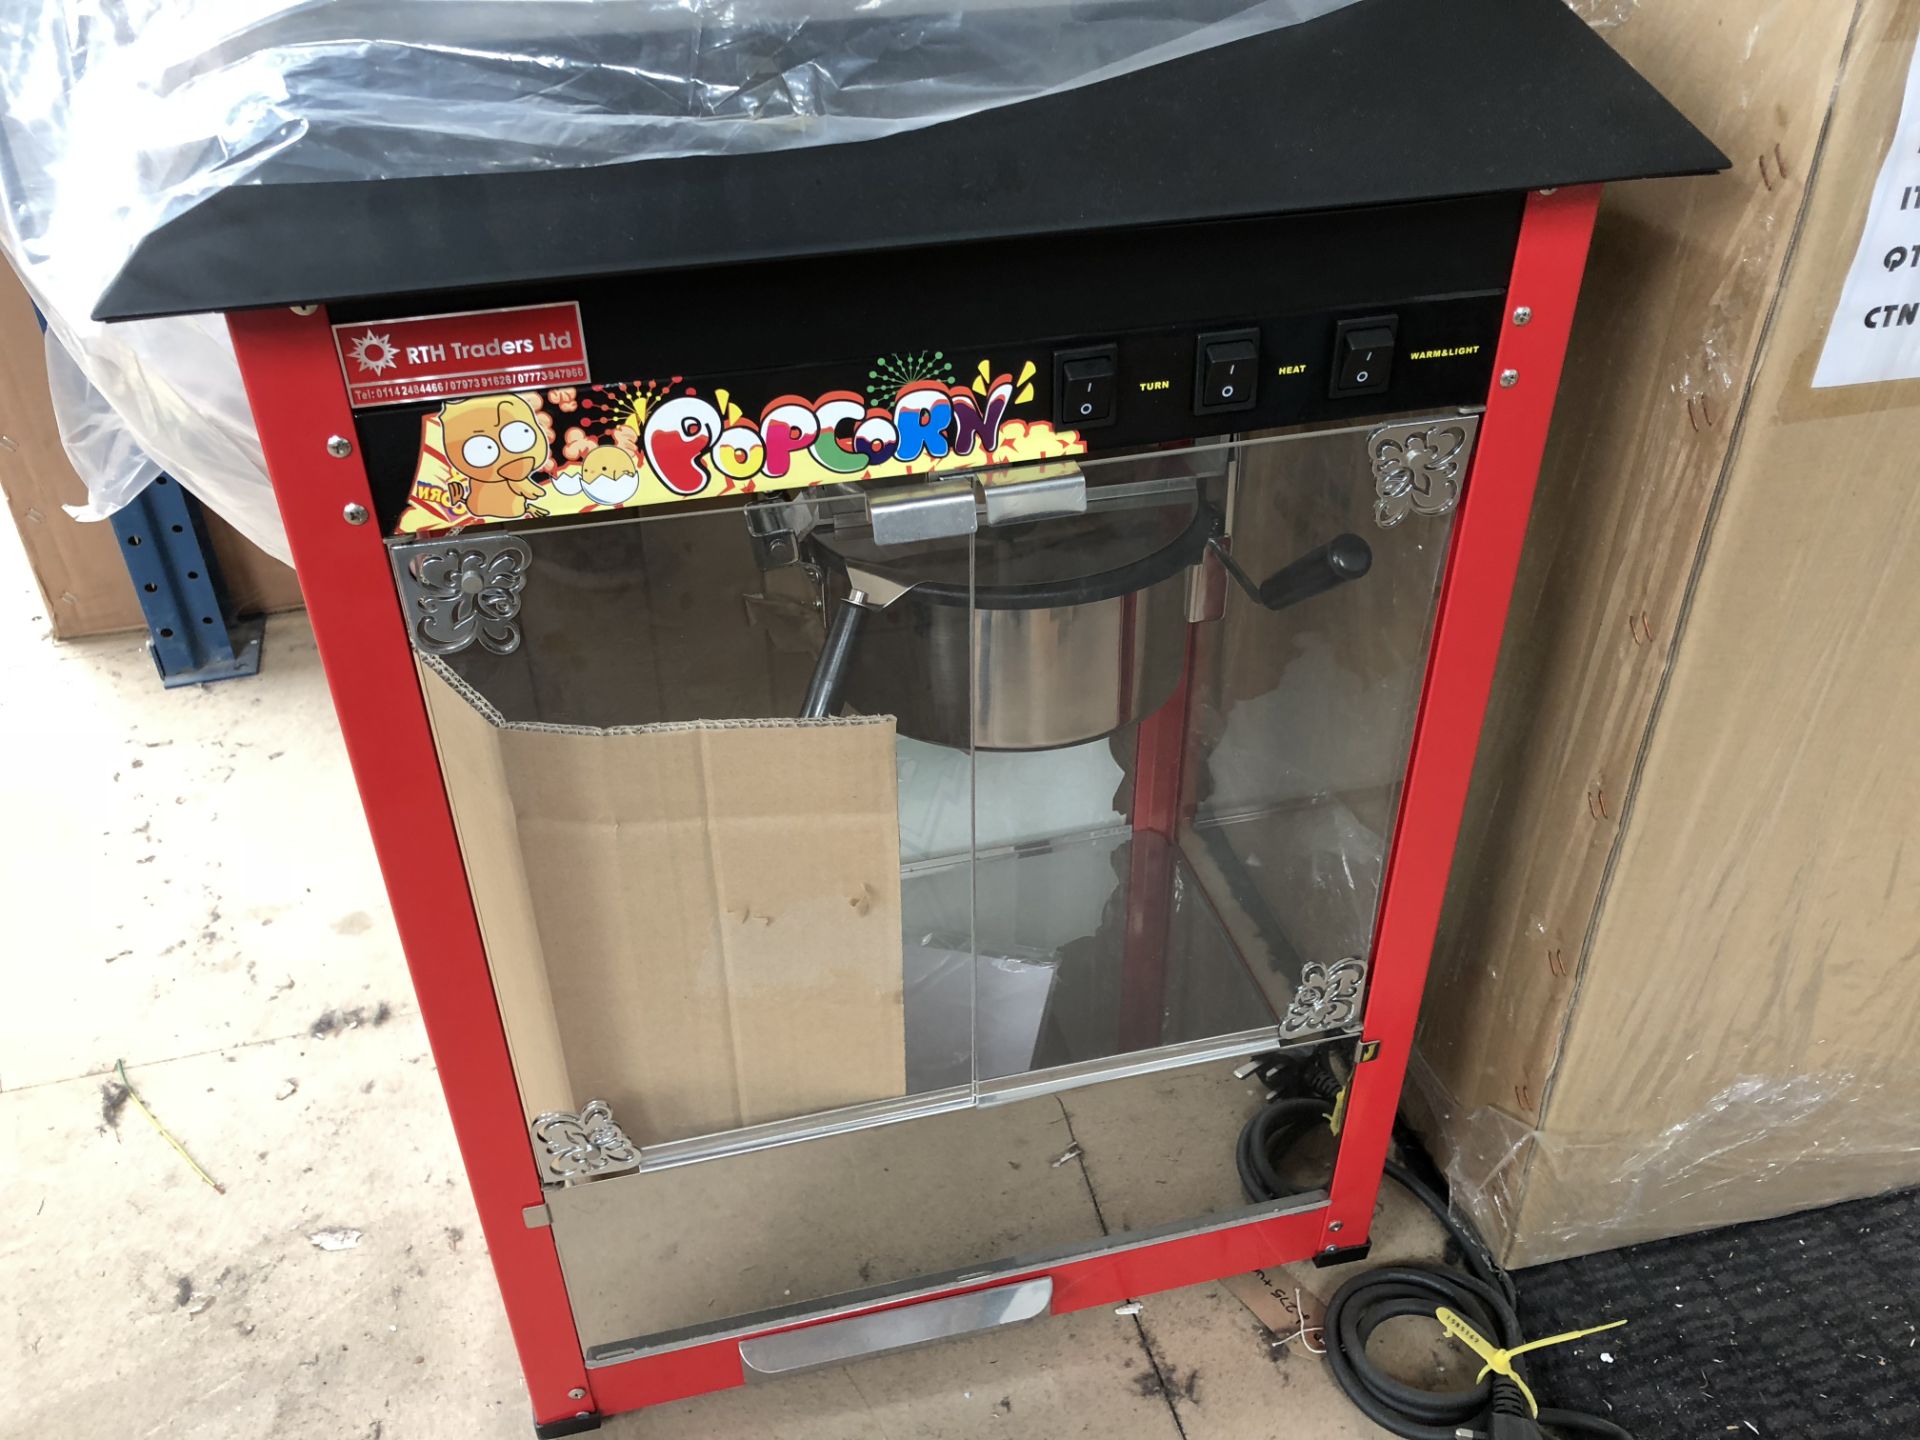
column 1305, row 1097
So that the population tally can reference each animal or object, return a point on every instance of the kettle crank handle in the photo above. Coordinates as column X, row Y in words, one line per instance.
column 830, row 670
column 1345, row 557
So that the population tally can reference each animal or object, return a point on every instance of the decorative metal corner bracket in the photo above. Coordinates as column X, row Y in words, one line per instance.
column 571, row 1148
column 1418, row 469
column 1329, row 998
column 464, row 589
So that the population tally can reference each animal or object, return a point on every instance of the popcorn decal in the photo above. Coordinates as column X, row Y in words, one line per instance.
column 494, row 444
column 631, row 444
column 677, row 435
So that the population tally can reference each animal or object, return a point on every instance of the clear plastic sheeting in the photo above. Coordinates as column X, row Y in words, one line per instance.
column 121, row 114
column 99, row 445
column 1794, row 1141
column 176, row 407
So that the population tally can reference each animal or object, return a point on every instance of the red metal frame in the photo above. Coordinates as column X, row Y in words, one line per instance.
column 299, row 401
column 1158, row 757
column 1488, row 532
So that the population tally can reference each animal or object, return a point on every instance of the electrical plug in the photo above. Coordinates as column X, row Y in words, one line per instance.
column 1515, row 1427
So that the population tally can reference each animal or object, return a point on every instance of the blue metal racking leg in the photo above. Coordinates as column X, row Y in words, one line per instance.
column 192, row 635
column 163, row 538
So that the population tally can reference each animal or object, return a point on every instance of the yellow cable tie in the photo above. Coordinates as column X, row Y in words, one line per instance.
column 120, row 1069
column 1500, row 1362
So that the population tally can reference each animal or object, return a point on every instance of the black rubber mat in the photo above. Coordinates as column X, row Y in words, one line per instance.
column 1800, row 1328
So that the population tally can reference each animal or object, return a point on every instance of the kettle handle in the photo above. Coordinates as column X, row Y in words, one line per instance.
column 830, row 670
column 1345, row 557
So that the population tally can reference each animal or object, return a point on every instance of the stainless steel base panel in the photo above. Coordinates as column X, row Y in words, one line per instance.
column 663, row 1258
column 903, row 1327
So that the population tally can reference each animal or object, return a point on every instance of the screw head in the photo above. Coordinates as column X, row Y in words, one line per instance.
column 1337, row 1226
column 1523, row 315
column 1509, row 379
column 354, row 514
column 303, row 309
column 576, row 1393
column 339, row 446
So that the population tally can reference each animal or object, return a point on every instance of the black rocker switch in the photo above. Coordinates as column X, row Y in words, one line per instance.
column 1363, row 356
column 1226, row 372
column 1084, row 387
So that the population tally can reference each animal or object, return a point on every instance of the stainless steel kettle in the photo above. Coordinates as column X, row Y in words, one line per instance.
column 1043, row 623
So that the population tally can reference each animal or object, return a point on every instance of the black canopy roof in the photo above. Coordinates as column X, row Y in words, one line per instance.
column 1380, row 102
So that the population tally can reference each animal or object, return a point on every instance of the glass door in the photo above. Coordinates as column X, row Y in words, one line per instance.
column 1194, row 702
column 689, row 870
column 910, row 866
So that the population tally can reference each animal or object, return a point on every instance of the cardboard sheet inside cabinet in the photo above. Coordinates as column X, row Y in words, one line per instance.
column 699, row 924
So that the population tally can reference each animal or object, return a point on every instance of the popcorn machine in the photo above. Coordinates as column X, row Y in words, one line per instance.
column 880, row 674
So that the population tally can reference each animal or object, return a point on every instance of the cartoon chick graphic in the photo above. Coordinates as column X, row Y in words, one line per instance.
column 496, row 443
column 608, row 476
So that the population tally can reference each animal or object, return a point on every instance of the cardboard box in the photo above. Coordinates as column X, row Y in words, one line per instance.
column 1677, row 980
column 697, row 923
column 83, row 580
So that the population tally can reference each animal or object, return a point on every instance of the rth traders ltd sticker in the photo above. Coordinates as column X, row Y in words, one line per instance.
column 434, row 357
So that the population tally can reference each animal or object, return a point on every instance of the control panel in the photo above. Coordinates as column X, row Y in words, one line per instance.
column 843, row 368
column 1169, row 384
column 980, row 400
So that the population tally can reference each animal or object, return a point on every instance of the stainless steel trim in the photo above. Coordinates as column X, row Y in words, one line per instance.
column 1001, row 1091
column 1328, row 998
column 849, row 513
column 1037, row 492
column 571, row 1148
column 1016, row 848
column 1232, row 468
column 537, row 1217
column 1120, row 1067
column 619, row 1352
column 876, row 591
column 940, row 511
column 1207, row 589
column 1142, row 494
column 457, row 590
column 670, row 1153
column 770, row 532
column 903, row 1327
column 1419, row 468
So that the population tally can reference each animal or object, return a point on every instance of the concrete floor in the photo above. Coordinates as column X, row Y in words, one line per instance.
column 192, row 891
